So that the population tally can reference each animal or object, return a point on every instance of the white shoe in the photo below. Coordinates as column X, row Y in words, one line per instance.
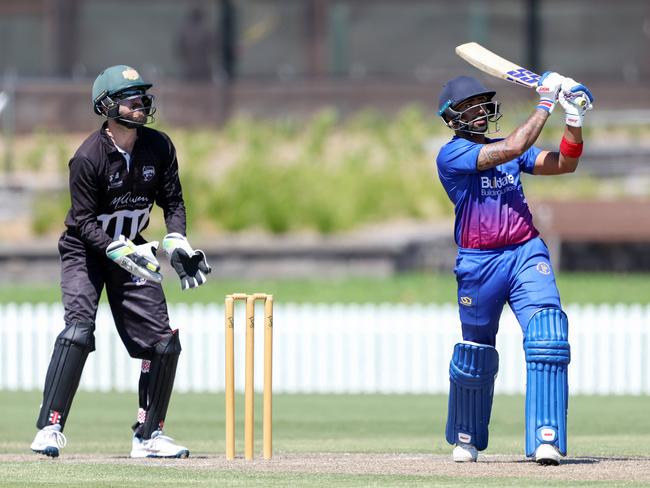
column 547, row 455
column 49, row 440
column 159, row 446
column 465, row 453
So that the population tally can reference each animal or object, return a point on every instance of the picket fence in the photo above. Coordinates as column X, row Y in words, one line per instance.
column 336, row 349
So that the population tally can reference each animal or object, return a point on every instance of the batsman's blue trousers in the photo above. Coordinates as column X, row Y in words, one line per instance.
column 521, row 275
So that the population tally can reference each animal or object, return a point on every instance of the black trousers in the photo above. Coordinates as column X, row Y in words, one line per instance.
column 139, row 307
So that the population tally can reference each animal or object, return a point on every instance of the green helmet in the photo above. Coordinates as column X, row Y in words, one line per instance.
column 112, row 82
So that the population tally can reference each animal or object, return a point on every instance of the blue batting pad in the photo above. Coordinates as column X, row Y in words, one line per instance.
column 472, row 371
column 546, row 344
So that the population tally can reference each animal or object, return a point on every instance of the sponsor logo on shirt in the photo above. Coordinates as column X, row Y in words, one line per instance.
column 543, row 268
column 124, row 222
column 496, row 181
column 115, row 180
column 128, row 200
column 148, row 172
column 497, row 185
column 467, row 301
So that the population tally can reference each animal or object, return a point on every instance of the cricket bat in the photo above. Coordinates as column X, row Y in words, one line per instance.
column 495, row 65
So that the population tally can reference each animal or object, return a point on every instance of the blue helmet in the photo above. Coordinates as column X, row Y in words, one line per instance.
column 456, row 91
column 460, row 89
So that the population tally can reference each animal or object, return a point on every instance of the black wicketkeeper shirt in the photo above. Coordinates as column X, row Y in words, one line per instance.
column 109, row 197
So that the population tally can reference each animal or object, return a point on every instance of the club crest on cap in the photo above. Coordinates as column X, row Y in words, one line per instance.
column 130, row 74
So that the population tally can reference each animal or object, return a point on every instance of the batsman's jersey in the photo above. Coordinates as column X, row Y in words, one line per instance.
column 500, row 256
column 490, row 207
column 111, row 197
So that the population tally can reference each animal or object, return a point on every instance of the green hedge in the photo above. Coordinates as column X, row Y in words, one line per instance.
column 328, row 176
column 323, row 175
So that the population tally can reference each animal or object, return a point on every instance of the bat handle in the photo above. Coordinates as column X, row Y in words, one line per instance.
column 578, row 98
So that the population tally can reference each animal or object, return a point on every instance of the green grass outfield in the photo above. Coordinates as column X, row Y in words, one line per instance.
column 613, row 427
column 403, row 288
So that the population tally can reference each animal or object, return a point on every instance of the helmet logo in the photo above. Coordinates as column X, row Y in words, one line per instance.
column 130, row 74
column 445, row 106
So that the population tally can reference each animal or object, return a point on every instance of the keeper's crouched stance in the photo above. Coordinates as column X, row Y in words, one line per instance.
column 502, row 259
column 116, row 176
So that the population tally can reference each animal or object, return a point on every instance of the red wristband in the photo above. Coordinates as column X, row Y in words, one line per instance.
column 570, row 149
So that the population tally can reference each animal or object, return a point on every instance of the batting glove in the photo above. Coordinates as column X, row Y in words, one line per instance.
column 576, row 99
column 574, row 91
column 548, row 87
column 191, row 265
column 139, row 260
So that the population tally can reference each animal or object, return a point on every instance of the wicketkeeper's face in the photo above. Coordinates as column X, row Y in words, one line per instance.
column 132, row 106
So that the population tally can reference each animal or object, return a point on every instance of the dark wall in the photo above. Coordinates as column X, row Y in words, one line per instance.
column 272, row 57
column 596, row 40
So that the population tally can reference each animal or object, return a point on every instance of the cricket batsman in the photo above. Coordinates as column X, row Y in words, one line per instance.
column 116, row 176
column 501, row 258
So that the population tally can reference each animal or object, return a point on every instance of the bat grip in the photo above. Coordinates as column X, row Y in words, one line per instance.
column 578, row 98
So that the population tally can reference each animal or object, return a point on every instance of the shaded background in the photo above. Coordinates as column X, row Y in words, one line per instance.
column 276, row 66
column 297, row 55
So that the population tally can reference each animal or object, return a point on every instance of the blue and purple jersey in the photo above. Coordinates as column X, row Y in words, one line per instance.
column 490, row 206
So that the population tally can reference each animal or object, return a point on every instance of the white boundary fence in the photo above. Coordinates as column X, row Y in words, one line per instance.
column 336, row 349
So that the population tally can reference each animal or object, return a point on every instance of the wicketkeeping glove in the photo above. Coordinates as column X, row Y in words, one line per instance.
column 139, row 260
column 191, row 265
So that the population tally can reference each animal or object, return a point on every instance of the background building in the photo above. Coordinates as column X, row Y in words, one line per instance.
column 266, row 56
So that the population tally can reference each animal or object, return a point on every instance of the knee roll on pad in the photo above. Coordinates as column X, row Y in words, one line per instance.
column 71, row 349
column 546, row 344
column 472, row 371
column 161, row 382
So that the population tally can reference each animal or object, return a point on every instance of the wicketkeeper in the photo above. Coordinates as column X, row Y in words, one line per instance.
column 116, row 175
column 501, row 258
